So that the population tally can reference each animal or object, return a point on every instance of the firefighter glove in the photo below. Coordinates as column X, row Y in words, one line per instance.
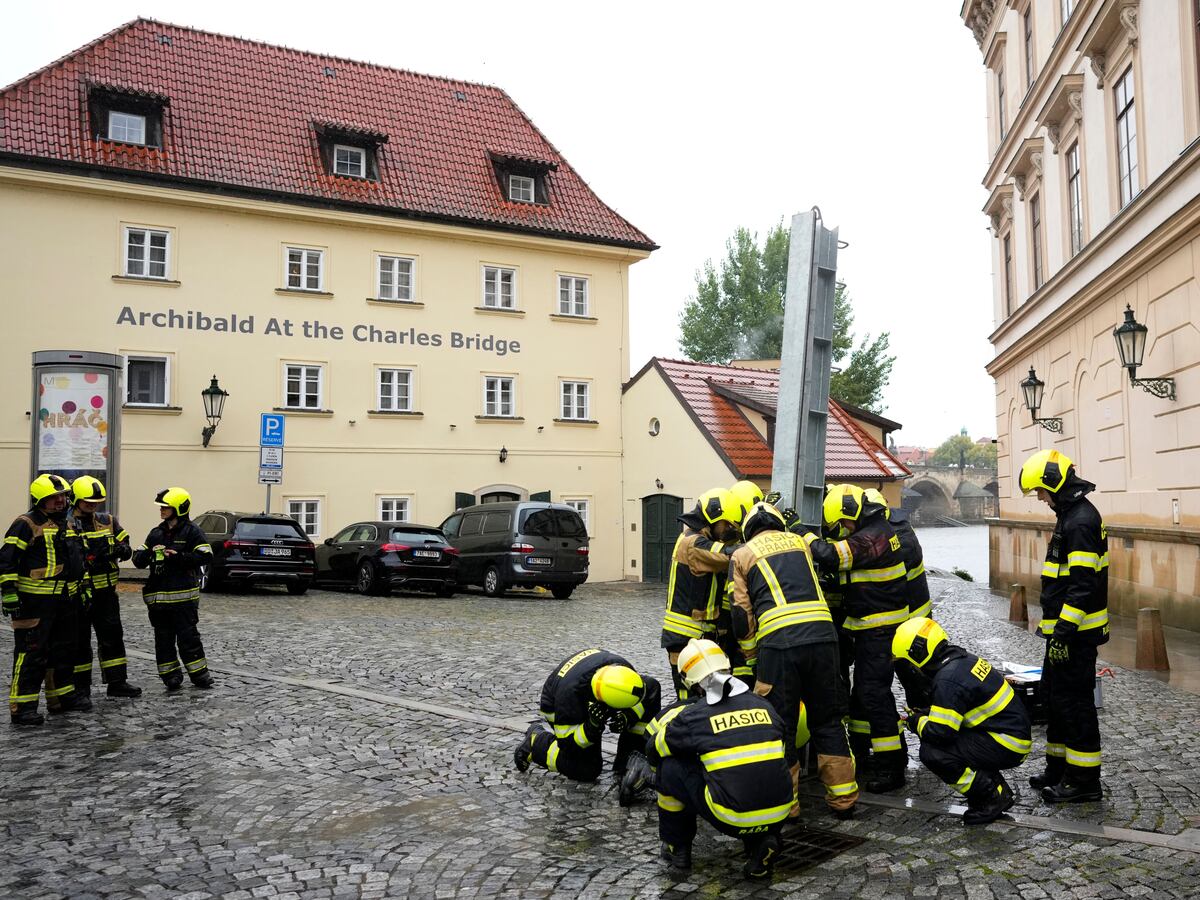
column 122, row 552
column 790, row 516
column 597, row 715
column 1056, row 651
column 12, row 604
column 914, row 719
column 622, row 720
column 772, row 497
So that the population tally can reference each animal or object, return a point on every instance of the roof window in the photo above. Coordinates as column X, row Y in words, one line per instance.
column 523, row 179
column 126, row 115
column 349, row 151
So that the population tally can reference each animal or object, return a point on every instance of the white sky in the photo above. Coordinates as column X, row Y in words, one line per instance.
column 691, row 119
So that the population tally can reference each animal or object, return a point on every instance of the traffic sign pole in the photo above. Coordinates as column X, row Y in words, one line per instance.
column 270, row 454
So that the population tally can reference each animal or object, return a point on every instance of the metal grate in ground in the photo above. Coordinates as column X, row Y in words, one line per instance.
column 805, row 847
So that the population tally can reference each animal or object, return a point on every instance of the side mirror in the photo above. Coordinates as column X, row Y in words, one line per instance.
column 328, row 542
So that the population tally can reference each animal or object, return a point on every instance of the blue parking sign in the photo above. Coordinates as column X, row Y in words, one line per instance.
column 271, row 434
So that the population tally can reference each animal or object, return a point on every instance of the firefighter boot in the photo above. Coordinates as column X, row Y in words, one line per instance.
column 203, row 680
column 987, row 800
column 887, row 772
column 1052, row 775
column 76, row 701
column 1074, row 792
column 28, row 717
column 678, row 858
column 761, row 852
column 173, row 682
column 637, row 780
column 524, row 750
column 123, row 689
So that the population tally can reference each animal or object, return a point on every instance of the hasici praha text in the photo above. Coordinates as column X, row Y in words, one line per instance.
column 314, row 329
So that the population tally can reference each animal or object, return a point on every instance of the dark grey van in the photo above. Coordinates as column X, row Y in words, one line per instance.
column 519, row 544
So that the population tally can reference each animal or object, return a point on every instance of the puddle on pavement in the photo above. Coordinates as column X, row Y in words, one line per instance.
column 444, row 814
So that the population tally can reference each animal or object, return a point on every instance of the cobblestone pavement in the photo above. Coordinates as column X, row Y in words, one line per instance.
column 273, row 788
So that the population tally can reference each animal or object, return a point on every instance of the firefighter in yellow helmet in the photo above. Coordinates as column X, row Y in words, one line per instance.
column 585, row 692
column 106, row 544
column 719, row 754
column 975, row 725
column 1074, row 623
column 699, row 564
column 174, row 552
column 41, row 580
column 747, row 494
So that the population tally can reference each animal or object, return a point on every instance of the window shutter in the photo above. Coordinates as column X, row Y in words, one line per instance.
column 462, row 500
column 540, row 497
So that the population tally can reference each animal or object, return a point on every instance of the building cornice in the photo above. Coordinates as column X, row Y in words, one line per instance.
column 1063, row 105
column 1026, row 165
column 999, row 205
column 1115, row 22
column 982, row 16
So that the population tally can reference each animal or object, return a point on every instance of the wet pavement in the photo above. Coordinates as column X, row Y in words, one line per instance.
column 361, row 747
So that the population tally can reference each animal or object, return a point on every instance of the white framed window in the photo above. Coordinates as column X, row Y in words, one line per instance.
column 303, row 386
column 499, row 395
column 304, row 269
column 147, row 253
column 572, row 295
column 395, row 509
column 1001, row 104
column 574, row 403
column 1127, row 155
column 520, row 188
column 129, row 128
column 1066, row 7
column 147, row 380
column 1006, row 245
column 499, row 287
column 308, row 514
column 394, row 390
column 1035, row 237
column 1074, row 199
column 1027, row 36
column 583, row 506
column 395, row 278
column 350, row 161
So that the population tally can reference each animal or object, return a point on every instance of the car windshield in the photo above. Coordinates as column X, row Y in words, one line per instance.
column 401, row 536
column 260, row 530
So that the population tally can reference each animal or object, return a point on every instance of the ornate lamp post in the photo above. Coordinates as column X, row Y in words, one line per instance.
column 1032, row 389
column 214, row 406
column 1130, row 336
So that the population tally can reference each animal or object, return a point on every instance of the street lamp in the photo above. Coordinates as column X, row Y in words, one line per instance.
column 1130, row 336
column 214, row 405
column 503, row 454
column 1032, row 388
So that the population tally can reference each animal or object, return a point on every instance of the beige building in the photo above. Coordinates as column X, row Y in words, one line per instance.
column 1093, row 177
column 403, row 266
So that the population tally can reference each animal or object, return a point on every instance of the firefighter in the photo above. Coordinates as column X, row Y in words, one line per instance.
column 975, row 726
column 780, row 613
column 747, row 494
column 876, row 602
column 719, row 754
column 699, row 564
column 174, row 553
column 41, row 581
column 1074, row 623
column 585, row 692
column 106, row 544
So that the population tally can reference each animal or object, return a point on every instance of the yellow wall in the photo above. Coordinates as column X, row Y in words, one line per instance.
column 62, row 238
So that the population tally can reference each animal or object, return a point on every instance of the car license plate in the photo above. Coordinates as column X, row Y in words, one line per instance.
column 427, row 554
column 276, row 551
column 537, row 560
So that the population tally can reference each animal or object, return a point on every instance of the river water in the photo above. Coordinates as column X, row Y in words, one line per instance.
column 962, row 548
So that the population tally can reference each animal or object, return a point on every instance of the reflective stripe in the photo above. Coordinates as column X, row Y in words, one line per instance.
column 109, row 663
column 1059, row 750
column 670, row 804
column 877, row 620
column 172, row 596
column 891, row 573
column 917, row 572
column 13, row 696
column 83, row 667
column 16, row 542
column 768, row 575
column 202, row 548
column 999, row 701
column 42, row 586
column 741, row 755
column 921, row 612
column 660, row 739
column 552, row 757
column 168, row 668
column 677, row 623
column 1016, row 744
column 1047, row 626
column 1084, row 758
column 572, row 732
column 197, row 665
column 793, row 614
column 638, row 728
column 1081, row 620
column 1050, row 570
column 965, row 780
column 1087, row 560
column 841, row 790
column 61, row 691
column 884, row 744
column 858, row 726
column 751, row 817
column 845, row 554
column 945, row 716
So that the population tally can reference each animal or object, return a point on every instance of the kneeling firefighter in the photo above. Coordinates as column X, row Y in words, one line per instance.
column 719, row 755
column 975, row 726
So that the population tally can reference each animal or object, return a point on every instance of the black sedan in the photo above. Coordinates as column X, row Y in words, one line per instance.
column 377, row 556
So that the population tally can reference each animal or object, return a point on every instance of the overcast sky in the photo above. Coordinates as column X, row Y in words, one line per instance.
column 691, row 119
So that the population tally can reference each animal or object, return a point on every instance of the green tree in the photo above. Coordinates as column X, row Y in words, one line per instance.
column 737, row 313
column 962, row 447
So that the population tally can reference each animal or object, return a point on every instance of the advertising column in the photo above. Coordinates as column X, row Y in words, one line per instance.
column 76, row 416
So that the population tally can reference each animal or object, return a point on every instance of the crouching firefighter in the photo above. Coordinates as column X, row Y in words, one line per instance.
column 583, row 694
column 778, row 608
column 719, row 755
column 974, row 728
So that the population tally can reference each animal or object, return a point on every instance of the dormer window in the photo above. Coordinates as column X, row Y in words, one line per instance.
column 349, row 151
column 521, row 188
column 350, row 161
column 126, row 115
column 522, row 179
column 128, row 128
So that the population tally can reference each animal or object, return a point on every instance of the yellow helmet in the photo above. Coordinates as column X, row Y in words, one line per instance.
column 85, row 487
column 871, row 495
column 917, row 639
column 618, row 686
column 176, row 498
column 747, row 493
column 1045, row 469
column 719, row 505
column 699, row 659
column 762, row 517
column 45, row 486
column 844, row 501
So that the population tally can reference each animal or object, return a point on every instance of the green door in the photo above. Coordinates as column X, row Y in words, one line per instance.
column 659, row 531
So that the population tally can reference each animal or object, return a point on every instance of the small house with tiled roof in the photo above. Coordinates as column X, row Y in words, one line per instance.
column 691, row 426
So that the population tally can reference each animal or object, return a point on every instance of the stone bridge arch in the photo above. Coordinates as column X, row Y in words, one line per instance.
column 968, row 494
column 933, row 502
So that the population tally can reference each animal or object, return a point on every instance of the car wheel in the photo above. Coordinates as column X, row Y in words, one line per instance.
column 446, row 590
column 296, row 588
column 562, row 591
column 366, row 581
column 209, row 580
column 492, row 585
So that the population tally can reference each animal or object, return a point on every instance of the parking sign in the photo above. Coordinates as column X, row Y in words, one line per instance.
column 271, row 434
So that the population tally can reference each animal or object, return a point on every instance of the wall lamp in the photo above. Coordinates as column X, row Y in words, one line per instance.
column 1032, row 388
column 1130, row 336
column 503, row 454
column 214, row 406
column 658, row 483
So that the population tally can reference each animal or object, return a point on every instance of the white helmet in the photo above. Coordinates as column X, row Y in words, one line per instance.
column 699, row 659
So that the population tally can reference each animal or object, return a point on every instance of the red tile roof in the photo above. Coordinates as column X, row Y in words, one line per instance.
column 243, row 115
column 711, row 395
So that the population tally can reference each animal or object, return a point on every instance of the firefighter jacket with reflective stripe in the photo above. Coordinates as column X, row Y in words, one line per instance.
column 876, row 587
column 1075, row 573
column 914, row 565
column 174, row 578
column 776, row 599
column 105, row 543
column 567, row 694
column 739, row 743
column 695, row 588
column 40, row 556
column 968, row 693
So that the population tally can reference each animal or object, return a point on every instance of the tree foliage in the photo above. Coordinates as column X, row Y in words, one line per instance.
column 737, row 313
column 962, row 448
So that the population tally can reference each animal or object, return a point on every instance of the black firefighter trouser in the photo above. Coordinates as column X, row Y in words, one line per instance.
column 175, row 623
column 1073, row 730
column 680, row 785
column 43, row 650
column 103, row 615
column 871, row 700
column 807, row 676
column 972, row 763
column 566, row 757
